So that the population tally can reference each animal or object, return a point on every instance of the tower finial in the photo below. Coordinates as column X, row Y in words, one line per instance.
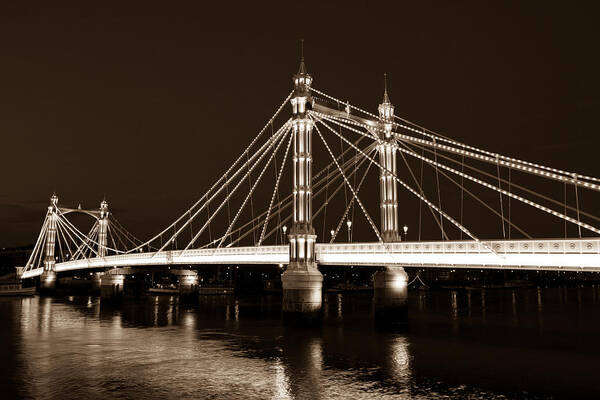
column 386, row 98
column 302, row 69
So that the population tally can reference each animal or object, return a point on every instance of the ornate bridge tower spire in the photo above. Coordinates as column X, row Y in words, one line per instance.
column 103, row 228
column 390, row 291
column 48, row 277
column 388, row 187
column 302, row 281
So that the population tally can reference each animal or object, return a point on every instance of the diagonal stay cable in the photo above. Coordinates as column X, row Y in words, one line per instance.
column 249, row 196
column 260, row 157
column 509, row 182
column 414, row 192
column 38, row 243
column 349, row 185
column 261, row 152
column 223, row 176
column 345, row 214
column 514, row 196
column 420, row 187
column 460, row 185
column 275, row 190
column 288, row 203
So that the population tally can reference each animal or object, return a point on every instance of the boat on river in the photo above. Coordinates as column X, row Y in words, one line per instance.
column 15, row 289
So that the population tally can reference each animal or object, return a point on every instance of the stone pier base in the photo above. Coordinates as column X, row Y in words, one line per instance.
column 390, row 297
column 188, row 285
column 302, row 295
column 111, row 286
column 96, row 281
column 48, row 282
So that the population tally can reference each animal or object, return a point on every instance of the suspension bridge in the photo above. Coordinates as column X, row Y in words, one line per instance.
column 227, row 225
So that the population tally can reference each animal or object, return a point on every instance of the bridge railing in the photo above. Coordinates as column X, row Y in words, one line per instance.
column 546, row 246
column 552, row 254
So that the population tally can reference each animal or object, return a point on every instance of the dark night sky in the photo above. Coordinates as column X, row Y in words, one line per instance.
column 150, row 103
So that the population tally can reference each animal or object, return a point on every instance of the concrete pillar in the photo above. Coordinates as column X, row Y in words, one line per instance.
column 188, row 285
column 111, row 285
column 96, row 281
column 302, row 281
column 48, row 282
column 390, row 296
column 390, row 284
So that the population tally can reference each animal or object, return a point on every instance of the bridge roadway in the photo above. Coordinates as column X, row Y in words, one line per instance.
column 542, row 254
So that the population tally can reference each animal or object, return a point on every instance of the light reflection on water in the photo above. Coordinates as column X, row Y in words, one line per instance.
column 460, row 344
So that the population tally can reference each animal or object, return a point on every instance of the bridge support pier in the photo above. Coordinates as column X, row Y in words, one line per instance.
column 302, row 295
column 188, row 285
column 96, row 282
column 390, row 297
column 111, row 286
column 48, row 282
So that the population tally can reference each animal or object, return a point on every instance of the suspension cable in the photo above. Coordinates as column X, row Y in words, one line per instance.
column 508, row 182
column 410, row 189
column 252, row 190
column 349, row 186
column 437, row 178
column 500, row 194
column 78, row 233
column 276, row 189
column 421, row 203
column 287, row 202
column 345, row 214
column 445, row 236
column 261, row 152
column 38, row 242
column 220, row 180
column 462, row 189
column 478, row 199
column 492, row 187
column 250, row 186
column 260, row 157
column 577, row 204
column 524, row 165
column 326, row 203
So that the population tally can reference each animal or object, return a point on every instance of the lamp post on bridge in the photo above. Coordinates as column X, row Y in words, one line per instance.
column 349, row 225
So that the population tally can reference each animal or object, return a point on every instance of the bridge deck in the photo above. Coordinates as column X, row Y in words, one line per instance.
column 548, row 254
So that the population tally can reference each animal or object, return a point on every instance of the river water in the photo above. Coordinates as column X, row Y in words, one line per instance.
column 493, row 344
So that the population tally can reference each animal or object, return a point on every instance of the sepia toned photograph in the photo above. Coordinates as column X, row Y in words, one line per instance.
column 299, row 200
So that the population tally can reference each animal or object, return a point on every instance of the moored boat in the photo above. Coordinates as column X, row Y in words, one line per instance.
column 15, row 289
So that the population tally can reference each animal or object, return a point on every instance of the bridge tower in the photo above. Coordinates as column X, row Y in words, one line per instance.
column 102, row 242
column 390, row 283
column 48, row 277
column 103, row 228
column 302, row 281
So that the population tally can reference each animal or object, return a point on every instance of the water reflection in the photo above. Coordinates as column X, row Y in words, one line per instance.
column 227, row 347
